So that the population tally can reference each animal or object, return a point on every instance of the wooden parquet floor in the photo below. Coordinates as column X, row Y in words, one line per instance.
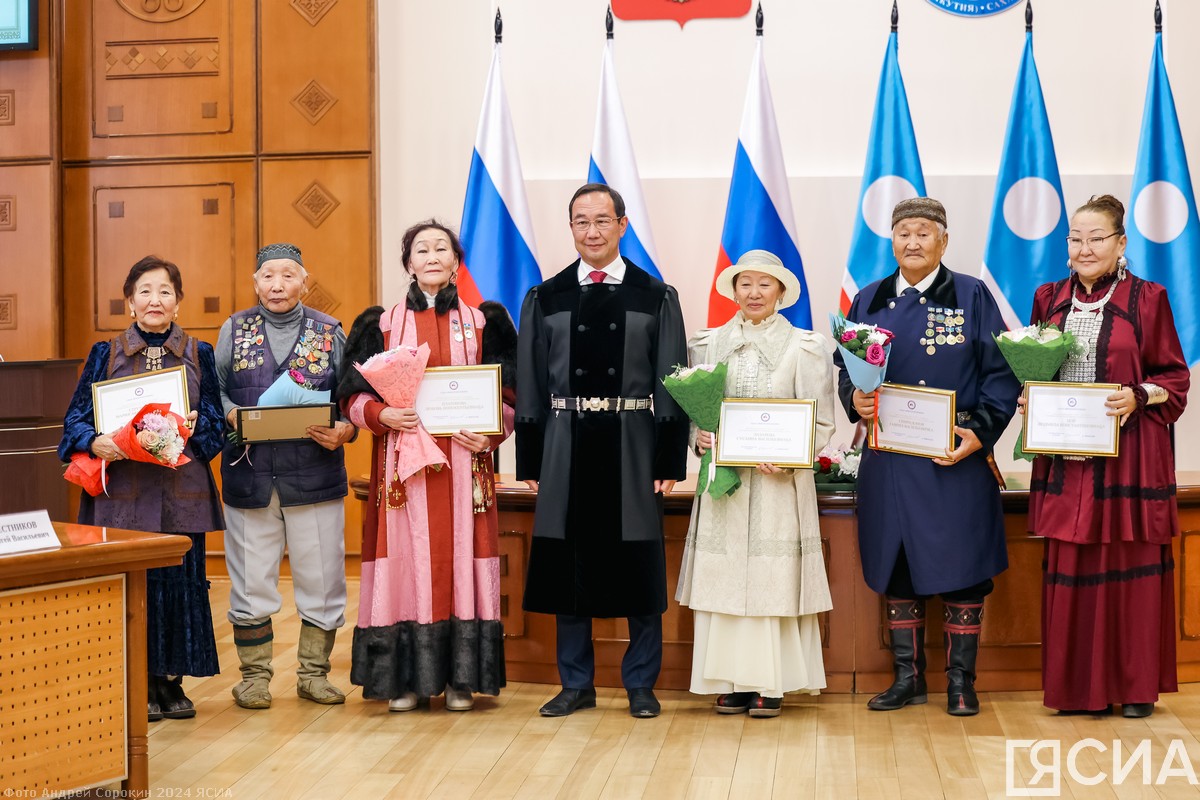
column 821, row 747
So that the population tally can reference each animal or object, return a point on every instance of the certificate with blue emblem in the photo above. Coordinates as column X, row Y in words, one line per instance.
column 451, row 399
column 753, row 432
column 118, row 400
column 1070, row 419
column 914, row 420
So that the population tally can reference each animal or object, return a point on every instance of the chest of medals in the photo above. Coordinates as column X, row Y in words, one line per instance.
column 943, row 327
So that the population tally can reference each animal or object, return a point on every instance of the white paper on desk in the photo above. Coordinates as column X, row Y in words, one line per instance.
column 28, row 530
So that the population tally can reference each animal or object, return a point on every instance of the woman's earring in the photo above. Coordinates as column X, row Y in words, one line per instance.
column 1122, row 262
column 454, row 277
column 131, row 312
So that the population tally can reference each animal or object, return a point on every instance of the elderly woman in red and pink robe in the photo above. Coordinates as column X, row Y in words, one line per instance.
column 429, row 609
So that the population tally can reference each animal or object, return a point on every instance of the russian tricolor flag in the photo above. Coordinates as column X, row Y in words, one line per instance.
column 496, row 230
column 759, row 213
column 613, row 164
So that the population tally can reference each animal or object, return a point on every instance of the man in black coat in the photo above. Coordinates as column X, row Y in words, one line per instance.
column 601, row 440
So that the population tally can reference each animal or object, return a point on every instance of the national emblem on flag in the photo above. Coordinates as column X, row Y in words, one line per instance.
column 892, row 173
column 1163, row 228
column 1027, row 239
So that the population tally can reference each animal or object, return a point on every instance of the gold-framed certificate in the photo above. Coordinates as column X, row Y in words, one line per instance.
column 753, row 432
column 261, row 424
column 116, row 401
column 914, row 420
column 451, row 399
column 1070, row 419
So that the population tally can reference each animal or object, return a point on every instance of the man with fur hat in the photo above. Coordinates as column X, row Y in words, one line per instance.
column 602, row 440
column 287, row 493
column 933, row 526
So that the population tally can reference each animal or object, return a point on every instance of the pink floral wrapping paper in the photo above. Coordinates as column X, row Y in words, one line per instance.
column 395, row 375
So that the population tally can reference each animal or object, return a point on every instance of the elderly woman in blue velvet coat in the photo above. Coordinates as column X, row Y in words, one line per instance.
column 933, row 526
column 147, row 497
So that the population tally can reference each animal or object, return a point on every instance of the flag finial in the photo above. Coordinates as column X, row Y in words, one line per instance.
column 499, row 26
column 758, row 20
column 895, row 16
column 608, row 22
column 1157, row 17
column 1029, row 16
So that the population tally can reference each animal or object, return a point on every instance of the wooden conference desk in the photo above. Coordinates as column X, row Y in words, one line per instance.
column 854, row 635
column 73, row 660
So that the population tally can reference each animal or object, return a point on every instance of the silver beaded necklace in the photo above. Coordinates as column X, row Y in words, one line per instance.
column 1084, row 321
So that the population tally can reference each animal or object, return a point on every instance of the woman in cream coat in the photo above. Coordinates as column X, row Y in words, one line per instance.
column 753, row 570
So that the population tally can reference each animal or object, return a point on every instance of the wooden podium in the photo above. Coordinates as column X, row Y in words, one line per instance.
column 34, row 396
column 73, row 661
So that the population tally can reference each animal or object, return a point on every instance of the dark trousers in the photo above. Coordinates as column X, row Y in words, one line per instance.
column 900, row 586
column 577, row 660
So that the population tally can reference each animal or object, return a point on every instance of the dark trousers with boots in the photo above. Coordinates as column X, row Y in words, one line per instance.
column 960, row 634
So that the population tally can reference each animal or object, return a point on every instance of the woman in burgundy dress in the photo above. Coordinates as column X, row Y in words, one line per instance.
column 1108, row 604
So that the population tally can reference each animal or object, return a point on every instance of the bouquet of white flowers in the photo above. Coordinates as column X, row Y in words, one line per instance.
column 1034, row 353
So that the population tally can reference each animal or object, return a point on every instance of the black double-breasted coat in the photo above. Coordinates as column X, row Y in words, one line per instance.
column 597, row 546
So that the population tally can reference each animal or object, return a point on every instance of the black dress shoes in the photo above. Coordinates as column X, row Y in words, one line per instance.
column 568, row 701
column 1137, row 710
column 643, row 704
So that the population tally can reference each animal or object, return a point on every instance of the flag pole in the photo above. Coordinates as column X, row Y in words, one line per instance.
column 758, row 20
column 1157, row 17
column 608, row 23
column 895, row 16
column 499, row 25
column 1029, row 16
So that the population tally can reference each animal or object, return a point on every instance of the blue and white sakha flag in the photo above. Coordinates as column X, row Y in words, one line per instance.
column 497, row 231
column 1163, row 230
column 613, row 164
column 892, row 173
column 759, row 213
column 1027, row 240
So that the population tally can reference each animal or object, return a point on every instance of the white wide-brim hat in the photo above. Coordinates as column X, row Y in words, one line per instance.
column 767, row 263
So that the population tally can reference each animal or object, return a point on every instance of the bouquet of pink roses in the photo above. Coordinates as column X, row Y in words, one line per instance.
column 395, row 376
column 155, row 435
column 865, row 350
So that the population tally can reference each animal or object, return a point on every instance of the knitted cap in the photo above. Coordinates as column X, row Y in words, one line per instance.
column 278, row 250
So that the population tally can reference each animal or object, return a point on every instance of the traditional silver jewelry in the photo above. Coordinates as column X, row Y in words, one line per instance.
column 154, row 357
column 1122, row 262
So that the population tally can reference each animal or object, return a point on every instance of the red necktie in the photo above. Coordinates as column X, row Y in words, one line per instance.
column 597, row 275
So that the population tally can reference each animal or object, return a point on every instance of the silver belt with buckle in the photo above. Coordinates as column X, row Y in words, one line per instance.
column 600, row 403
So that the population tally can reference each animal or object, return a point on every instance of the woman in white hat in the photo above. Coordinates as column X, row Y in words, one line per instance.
column 753, row 570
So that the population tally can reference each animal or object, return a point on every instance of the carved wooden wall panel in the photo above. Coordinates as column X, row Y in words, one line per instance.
column 29, row 321
column 323, row 206
column 155, row 78
column 322, row 101
column 201, row 216
column 26, row 94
